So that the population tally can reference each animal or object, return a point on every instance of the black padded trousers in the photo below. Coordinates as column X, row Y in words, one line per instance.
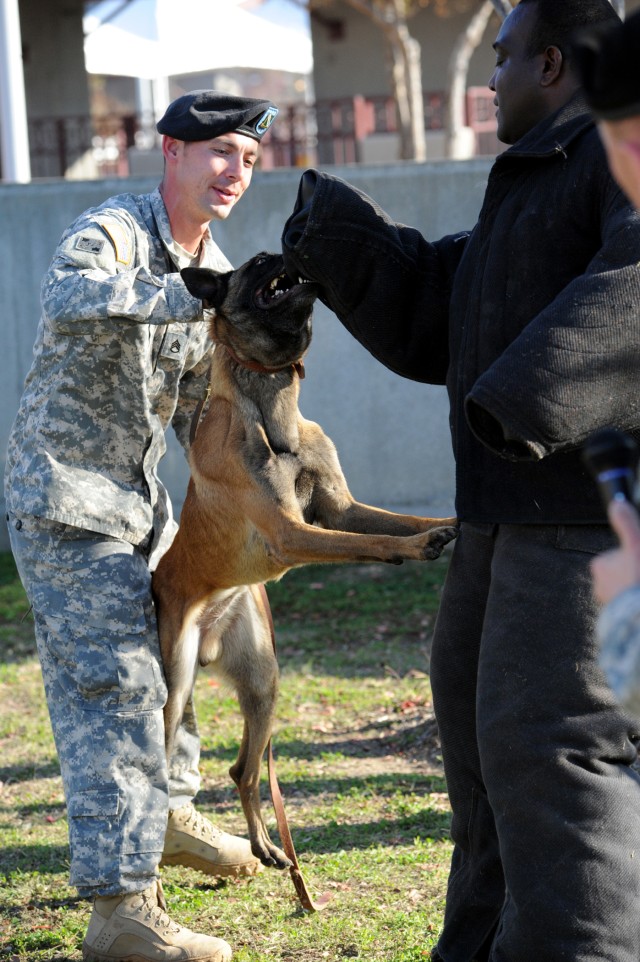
column 537, row 755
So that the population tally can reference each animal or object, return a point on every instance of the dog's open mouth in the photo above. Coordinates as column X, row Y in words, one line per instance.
column 277, row 288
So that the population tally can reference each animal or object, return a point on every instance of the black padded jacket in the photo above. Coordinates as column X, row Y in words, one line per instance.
column 532, row 319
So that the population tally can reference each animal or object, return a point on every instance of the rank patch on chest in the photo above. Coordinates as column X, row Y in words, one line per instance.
column 174, row 346
column 92, row 245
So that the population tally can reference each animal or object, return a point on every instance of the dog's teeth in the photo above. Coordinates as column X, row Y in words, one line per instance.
column 274, row 285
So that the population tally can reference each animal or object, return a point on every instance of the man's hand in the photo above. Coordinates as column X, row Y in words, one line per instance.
column 615, row 571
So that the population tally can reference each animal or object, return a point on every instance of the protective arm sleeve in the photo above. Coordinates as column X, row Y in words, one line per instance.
column 574, row 368
column 193, row 388
column 386, row 283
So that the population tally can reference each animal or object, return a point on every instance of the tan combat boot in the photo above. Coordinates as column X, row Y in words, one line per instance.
column 193, row 841
column 136, row 928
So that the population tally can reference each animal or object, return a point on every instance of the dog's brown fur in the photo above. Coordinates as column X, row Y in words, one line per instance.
column 266, row 494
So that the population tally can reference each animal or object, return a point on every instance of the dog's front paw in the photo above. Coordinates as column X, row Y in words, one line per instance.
column 438, row 538
column 270, row 855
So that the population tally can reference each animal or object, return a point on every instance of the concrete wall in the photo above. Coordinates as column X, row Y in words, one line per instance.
column 392, row 434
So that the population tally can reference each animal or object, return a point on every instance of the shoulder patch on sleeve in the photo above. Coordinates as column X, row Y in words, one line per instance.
column 119, row 239
column 92, row 245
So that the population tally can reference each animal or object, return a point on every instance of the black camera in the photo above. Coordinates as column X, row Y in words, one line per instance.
column 612, row 457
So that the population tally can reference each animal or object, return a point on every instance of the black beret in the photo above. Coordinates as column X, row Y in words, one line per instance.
column 607, row 59
column 204, row 114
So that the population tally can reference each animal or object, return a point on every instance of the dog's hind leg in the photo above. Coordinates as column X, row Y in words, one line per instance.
column 249, row 662
column 180, row 662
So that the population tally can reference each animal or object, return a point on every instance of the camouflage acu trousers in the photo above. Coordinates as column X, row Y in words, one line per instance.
column 98, row 646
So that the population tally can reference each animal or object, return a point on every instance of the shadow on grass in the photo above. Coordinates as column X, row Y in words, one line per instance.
column 387, row 832
column 334, row 835
column 379, row 784
column 10, row 774
column 419, row 738
column 51, row 811
column 36, row 857
column 318, row 839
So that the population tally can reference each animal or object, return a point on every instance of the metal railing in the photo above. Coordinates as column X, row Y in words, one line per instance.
column 327, row 132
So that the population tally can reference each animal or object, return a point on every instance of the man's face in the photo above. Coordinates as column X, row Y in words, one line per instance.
column 212, row 175
column 518, row 95
column 621, row 139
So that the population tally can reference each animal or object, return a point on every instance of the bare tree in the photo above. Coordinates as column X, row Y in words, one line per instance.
column 461, row 54
column 392, row 17
column 503, row 7
column 406, row 69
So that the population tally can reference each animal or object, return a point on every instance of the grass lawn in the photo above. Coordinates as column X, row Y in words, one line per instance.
column 357, row 757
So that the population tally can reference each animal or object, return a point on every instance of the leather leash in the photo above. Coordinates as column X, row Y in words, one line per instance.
column 306, row 901
column 197, row 414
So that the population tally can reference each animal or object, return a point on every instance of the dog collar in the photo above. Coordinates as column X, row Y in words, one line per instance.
column 298, row 366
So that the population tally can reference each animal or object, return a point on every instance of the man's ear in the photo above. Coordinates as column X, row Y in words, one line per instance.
column 552, row 66
column 169, row 147
column 207, row 285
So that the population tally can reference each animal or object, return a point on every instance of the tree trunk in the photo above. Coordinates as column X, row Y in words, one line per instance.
column 462, row 52
column 416, row 141
column 400, row 91
column 502, row 7
column 406, row 73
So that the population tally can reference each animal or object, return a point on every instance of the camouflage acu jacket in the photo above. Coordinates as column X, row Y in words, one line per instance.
column 121, row 353
column 619, row 636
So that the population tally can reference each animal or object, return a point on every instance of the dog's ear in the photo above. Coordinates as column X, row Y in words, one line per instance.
column 207, row 285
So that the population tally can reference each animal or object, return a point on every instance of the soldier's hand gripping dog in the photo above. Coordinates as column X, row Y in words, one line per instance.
column 266, row 494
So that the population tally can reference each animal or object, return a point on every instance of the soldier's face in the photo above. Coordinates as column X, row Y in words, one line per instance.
column 621, row 139
column 214, row 174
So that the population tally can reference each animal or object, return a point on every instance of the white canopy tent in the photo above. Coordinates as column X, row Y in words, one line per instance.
column 153, row 38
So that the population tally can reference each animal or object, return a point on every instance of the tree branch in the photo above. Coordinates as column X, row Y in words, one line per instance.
column 502, row 7
column 462, row 52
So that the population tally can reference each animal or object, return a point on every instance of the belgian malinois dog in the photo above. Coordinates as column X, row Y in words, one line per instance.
column 266, row 494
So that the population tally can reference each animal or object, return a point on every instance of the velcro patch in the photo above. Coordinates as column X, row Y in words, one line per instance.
column 93, row 245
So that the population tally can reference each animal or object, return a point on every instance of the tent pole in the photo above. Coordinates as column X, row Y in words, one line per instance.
column 14, row 138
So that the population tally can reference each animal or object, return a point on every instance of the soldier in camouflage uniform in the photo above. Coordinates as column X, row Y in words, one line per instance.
column 607, row 58
column 122, row 352
column 617, row 584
